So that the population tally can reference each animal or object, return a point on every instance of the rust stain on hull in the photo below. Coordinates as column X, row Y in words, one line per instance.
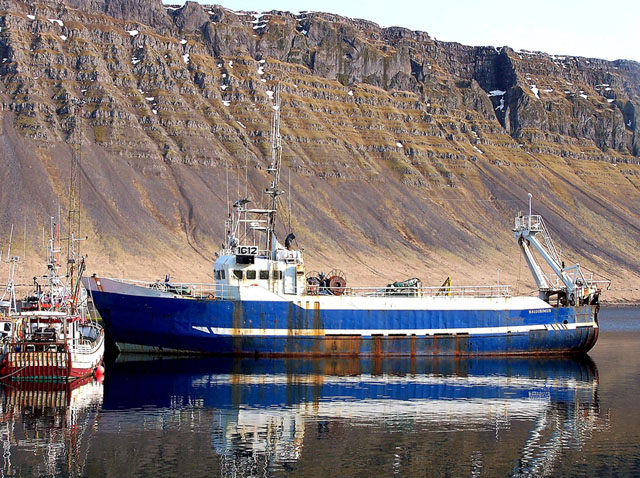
column 237, row 325
column 344, row 345
column 429, row 346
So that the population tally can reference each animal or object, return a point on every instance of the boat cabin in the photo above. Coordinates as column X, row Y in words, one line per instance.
column 238, row 273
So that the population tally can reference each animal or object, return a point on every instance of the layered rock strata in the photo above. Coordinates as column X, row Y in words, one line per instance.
column 405, row 155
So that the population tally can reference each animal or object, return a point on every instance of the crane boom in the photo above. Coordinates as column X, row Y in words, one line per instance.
column 570, row 286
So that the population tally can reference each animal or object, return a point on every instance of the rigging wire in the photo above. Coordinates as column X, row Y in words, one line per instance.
column 472, row 200
column 289, row 194
column 226, row 164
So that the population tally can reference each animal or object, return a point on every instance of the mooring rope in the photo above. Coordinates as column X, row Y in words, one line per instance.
column 13, row 373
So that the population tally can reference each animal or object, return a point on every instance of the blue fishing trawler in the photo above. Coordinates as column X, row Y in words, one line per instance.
column 263, row 302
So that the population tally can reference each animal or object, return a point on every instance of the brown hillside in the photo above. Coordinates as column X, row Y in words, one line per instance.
column 407, row 156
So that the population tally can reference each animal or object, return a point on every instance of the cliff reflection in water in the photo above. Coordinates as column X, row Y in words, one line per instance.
column 268, row 415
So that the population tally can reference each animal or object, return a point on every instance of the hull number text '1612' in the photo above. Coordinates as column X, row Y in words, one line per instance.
column 247, row 250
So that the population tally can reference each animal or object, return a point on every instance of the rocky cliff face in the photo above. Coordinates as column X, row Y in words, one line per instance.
column 404, row 153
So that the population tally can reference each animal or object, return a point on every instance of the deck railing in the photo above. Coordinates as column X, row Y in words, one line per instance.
column 447, row 291
column 188, row 289
column 217, row 291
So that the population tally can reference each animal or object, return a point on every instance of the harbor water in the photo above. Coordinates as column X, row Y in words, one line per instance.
column 493, row 417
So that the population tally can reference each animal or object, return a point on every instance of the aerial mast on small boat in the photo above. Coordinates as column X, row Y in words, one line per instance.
column 10, row 302
column 73, row 249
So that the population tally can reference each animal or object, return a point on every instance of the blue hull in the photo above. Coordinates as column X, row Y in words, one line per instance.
column 148, row 323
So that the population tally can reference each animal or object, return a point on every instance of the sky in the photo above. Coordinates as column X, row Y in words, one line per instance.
column 591, row 28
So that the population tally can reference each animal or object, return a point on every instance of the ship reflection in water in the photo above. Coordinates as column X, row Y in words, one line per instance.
column 273, row 415
column 242, row 417
column 46, row 428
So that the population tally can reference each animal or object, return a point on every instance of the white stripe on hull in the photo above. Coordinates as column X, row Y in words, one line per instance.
column 385, row 332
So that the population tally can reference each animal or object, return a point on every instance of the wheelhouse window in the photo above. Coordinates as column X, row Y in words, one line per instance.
column 264, row 275
column 238, row 273
column 219, row 274
column 251, row 274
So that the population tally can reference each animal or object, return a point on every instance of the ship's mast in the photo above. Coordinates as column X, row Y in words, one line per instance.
column 56, row 287
column 243, row 220
column 73, row 245
column 274, row 169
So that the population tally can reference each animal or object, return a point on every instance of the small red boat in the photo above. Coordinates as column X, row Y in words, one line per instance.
column 52, row 346
column 52, row 338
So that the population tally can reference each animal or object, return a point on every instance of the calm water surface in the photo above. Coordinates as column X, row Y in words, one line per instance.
column 239, row 418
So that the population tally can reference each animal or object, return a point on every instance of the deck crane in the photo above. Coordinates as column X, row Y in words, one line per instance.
column 570, row 286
